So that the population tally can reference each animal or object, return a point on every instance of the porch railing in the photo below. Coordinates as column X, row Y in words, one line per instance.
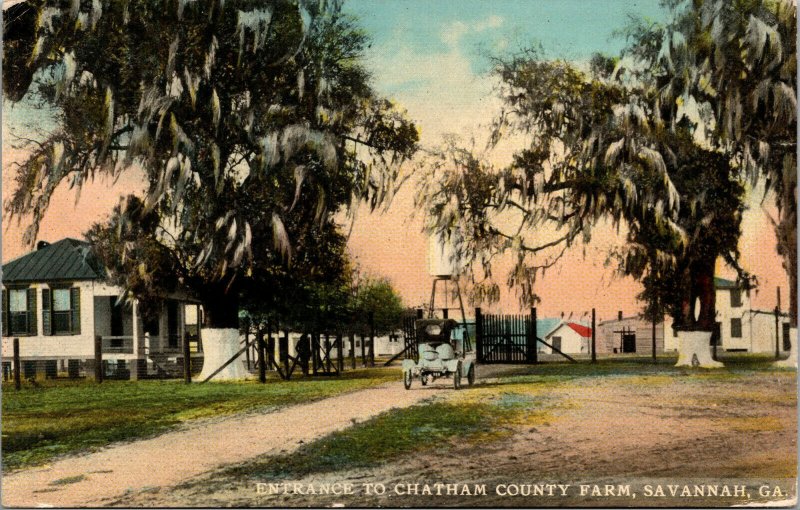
column 118, row 344
column 124, row 345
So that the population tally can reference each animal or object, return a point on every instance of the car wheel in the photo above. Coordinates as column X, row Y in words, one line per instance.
column 457, row 377
column 471, row 375
column 407, row 379
column 424, row 380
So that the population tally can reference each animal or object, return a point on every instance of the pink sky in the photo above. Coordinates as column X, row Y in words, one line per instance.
column 392, row 244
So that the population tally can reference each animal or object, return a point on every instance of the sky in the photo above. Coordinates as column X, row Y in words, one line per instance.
column 430, row 58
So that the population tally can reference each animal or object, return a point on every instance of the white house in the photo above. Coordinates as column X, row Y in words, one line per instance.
column 739, row 327
column 569, row 338
column 56, row 301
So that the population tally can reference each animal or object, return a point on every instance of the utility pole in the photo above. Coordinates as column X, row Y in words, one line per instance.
column 777, row 326
column 594, row 333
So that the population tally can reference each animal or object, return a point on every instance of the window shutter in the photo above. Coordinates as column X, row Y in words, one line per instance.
column 47, row 317
column 5, row 312
column 75, row 295
column 32, row 318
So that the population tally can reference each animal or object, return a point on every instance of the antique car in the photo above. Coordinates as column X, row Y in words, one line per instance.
column 439, row 355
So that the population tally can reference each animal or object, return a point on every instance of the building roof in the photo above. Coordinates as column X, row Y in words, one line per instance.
column 724, row 283
column 582, row 330
column 546, row 326
column 67, row 259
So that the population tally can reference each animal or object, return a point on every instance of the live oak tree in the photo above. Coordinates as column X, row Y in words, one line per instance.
column 737, row 60
column 597, row 150
column 253, row 122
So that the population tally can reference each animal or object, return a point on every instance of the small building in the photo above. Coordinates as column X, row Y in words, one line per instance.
column 569, row 338
column 631, row 334
column 56, row 300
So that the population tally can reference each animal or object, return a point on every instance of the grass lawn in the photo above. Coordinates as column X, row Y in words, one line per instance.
column 63, row 417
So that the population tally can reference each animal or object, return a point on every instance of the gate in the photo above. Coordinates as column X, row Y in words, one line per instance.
column 410, row 350
column 505, row 338
column 509, row 339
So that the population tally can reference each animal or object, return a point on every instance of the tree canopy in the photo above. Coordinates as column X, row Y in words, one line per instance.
column 253, row 122
column 598, row 148
column 730, row 69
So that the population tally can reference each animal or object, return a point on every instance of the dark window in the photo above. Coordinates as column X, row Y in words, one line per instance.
column 172, row 323
column 556, row 342
column 116, row 321
column 736, row 298
column 787, row 340
column 736, row 328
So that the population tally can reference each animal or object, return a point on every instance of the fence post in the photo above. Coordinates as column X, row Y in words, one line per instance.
column 339, row 353
column 363, row 351
column 372, row 339
column 326, row 366
column 352, row 350
column 98, row 359
column 283, row 352
column 17, row 375
column 594, row 335
column 262, row 359
column 478, row 335
column 777, row 333
column 247, row 343
column 314, row 353
column 535, row 334
column 654, row 339
column 270, row 349
column 187, row 361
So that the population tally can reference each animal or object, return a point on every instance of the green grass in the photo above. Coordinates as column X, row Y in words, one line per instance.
column 62, row 417
column 388, row 436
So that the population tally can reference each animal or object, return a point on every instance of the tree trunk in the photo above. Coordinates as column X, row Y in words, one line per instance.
column 697, row 325
column 786, row 232
column 221, row 335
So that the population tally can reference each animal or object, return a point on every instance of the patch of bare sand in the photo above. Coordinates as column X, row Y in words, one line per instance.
column 612, row 429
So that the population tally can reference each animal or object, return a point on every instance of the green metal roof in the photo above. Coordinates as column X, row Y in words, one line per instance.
column 723, row 283
column 545, row 326
column 67, row 259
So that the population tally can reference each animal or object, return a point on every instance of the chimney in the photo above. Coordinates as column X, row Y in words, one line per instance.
column 42, row 244
column 619, row 315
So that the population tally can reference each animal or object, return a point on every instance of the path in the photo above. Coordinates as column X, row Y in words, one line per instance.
column 174, row 457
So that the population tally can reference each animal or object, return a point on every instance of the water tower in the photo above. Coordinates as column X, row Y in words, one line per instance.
column 443, row 265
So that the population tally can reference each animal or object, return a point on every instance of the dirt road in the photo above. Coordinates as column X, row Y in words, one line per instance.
column 662, row 429
column 166, row 460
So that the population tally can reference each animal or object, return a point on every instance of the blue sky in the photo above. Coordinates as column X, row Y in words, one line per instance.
column 571, row 29
column 429, row 55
